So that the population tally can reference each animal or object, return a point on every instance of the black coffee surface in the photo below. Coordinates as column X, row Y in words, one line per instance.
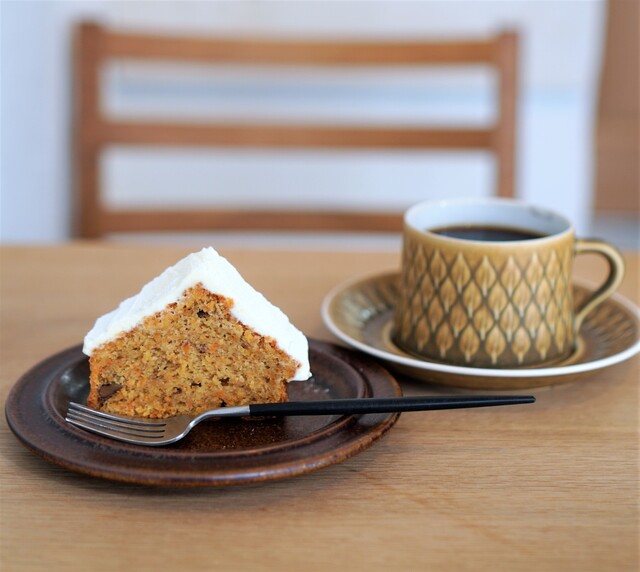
column 486, row 233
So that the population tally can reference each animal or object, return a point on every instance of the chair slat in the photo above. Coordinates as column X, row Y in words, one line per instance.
column 291, row 52
column 293, row 136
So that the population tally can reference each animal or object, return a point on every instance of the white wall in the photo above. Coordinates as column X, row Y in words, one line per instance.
column 560, row 63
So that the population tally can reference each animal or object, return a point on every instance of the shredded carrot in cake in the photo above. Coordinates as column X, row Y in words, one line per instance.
column 192, row 356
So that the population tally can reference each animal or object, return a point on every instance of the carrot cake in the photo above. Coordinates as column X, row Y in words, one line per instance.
column 196, row 337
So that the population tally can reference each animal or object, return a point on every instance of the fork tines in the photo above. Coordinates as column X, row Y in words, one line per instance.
column 107, row 424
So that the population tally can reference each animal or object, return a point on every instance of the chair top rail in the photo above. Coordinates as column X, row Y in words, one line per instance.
column 329, row 52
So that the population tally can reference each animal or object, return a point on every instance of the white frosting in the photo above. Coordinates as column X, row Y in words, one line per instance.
column 217, row 275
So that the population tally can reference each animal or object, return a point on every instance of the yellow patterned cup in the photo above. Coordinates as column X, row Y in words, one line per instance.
column 488, row 302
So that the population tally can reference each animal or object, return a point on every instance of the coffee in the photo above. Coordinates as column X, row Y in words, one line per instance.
column 486, row 233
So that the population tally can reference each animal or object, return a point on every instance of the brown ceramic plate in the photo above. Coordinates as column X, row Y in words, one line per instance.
column 360, row 313
column 220, row 452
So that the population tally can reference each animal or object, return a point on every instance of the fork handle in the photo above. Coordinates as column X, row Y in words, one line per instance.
column 384, row 405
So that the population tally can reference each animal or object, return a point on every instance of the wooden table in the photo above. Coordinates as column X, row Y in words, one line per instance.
column 552, row 486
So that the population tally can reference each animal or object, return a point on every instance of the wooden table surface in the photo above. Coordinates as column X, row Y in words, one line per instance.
column 550, row 486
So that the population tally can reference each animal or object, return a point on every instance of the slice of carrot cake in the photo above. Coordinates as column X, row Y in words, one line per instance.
column 196, row 337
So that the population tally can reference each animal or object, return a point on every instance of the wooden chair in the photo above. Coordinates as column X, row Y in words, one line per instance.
column 94, row 132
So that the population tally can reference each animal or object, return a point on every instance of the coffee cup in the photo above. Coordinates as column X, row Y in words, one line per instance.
column 488, row 283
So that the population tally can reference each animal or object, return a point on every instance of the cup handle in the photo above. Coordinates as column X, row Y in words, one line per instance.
column 616, row 272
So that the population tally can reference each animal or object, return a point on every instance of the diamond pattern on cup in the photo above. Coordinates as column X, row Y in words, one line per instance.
column 485, row 276
column 521, row 344
column 495, row 345
column 497, row 300
column 533, row 319
column 435, row 313
column 535, row 271
column 458, row 319
column 543, row 340
column 522, row 298
column 520, row 304
column 543, row 295
column 560, row 336
column 553, row 268
column 471, row 298
column 447, row 293
column 460, row 273
column 509, row 322
column 510, row 276
column 469, row 343
column 483, row 322
column 444, row 339
column 422, row 334
column 437, row 268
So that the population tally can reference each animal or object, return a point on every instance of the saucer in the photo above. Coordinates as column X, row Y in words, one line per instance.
column 360, row 313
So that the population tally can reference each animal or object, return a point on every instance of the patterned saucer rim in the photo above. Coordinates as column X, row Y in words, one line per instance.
column 330, row 307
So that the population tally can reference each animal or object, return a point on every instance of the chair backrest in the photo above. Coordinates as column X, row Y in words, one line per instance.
column 94, row 131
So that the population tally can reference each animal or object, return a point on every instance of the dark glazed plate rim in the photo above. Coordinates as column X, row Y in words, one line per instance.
column 37, row 421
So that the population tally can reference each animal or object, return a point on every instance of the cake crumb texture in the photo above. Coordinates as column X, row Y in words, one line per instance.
column 192, row 356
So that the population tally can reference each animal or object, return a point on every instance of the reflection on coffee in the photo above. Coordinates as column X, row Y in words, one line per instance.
column 486, row 233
